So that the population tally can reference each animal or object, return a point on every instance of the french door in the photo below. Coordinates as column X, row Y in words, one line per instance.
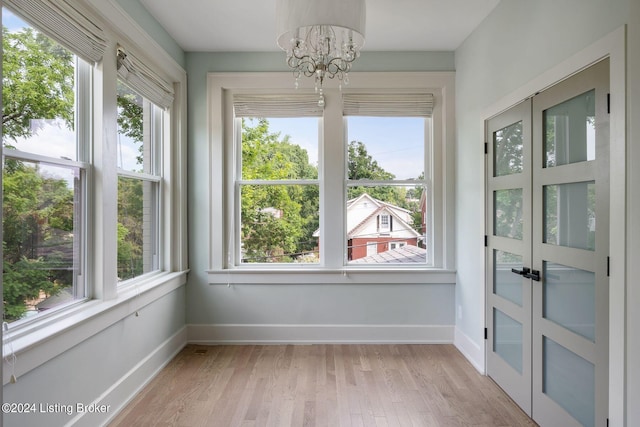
column 547, row 251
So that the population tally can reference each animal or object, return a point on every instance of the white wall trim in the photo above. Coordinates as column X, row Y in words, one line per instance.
column 126, row 388
column 469, row 349
column 319, row 334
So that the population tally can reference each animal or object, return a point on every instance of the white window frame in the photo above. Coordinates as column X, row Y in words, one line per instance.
column 333, row 267
column 155, row 138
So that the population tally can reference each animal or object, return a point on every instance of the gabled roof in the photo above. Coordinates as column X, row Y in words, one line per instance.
column 377, row 202
column 382, row 209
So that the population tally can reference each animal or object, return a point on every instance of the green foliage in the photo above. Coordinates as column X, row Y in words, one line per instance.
column 38, row 236
column 37, row 82
column 362, row 166
column 130, row 117
column 277, row 220
column 130, row 228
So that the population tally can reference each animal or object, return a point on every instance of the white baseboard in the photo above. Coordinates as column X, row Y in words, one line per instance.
column 472, row 351
column 125, row 389
column 319, row 334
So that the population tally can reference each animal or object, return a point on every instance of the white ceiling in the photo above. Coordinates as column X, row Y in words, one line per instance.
column 249, row 25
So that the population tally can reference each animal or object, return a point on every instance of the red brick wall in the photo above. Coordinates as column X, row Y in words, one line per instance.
column 358, row 246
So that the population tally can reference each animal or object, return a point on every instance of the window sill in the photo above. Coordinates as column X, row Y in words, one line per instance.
column 36, row 343
column 349, row 275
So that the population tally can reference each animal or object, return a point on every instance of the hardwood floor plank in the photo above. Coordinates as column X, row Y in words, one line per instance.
column 321, row 385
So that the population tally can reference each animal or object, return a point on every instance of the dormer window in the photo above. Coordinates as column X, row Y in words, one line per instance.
column 384, row 223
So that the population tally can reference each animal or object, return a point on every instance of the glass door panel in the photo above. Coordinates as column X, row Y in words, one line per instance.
column 570, row 215
column 507, row 150
column 507, row 339
column 507, row 284
column 570, row 133
column 569, row 380
column 508, row 213
column 569, row 298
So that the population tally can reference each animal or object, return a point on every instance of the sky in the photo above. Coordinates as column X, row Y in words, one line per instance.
column 395, row 143
column 11, row 21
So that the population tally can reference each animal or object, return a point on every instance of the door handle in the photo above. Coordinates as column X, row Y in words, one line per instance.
column 533, row 275
column 522, row 272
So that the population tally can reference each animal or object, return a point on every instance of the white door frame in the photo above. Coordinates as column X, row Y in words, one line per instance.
column 613, row 46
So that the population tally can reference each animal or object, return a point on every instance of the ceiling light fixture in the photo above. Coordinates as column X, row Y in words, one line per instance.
column 322, row 38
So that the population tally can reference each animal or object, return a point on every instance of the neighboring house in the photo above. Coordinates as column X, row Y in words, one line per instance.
column 374, row 226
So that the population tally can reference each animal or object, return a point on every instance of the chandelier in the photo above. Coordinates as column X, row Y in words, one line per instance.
column 322, row 38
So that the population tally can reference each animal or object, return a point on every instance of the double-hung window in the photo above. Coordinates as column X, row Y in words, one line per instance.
column 46, row 137
column 142, row 98
column 359, row 186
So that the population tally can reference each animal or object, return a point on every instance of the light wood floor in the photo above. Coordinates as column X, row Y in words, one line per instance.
column 321, row 385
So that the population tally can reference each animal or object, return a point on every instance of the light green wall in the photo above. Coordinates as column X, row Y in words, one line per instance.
column 148, row 23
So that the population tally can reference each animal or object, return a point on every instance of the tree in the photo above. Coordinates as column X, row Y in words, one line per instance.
column 37, row 82
column 38, row 236
column 38, row 210
column 277, row 221
column 361, row 166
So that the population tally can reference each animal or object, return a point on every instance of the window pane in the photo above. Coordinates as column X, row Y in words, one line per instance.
column 137, row 227
column 38, row 91
column 41, row 240
column 385, row 148
column 279, row 223
column 570, row 133
column 385, row 224
column 277, row 148
column 137, row 126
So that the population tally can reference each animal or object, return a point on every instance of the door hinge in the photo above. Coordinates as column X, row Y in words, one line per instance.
column 608, row 262
column 486, row 333
column 486, row 148
column 608, row 103
column 486, row 240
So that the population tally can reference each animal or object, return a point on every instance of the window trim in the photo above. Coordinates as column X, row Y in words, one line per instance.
column 221, row 128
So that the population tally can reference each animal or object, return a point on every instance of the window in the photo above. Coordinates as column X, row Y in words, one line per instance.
column 93, row 169
column 370, row 176
column 139, row 147
column 387, row 141
column 276, row 179
column 46, row 145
